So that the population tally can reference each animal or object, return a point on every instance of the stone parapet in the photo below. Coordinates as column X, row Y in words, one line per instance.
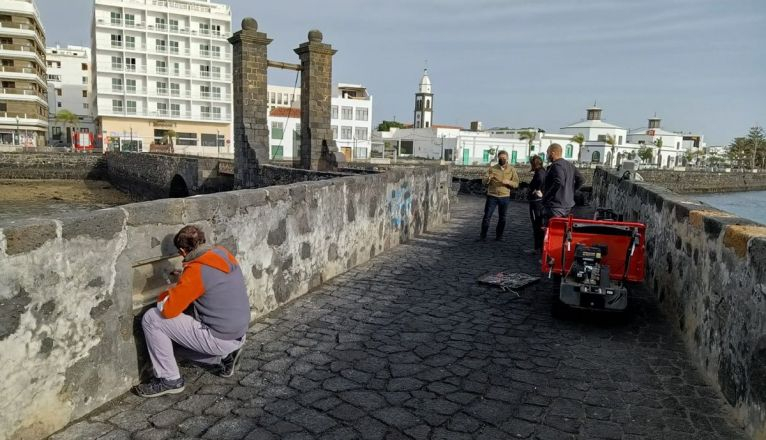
column 708, row 270
column 72, row 166
column 73, row 288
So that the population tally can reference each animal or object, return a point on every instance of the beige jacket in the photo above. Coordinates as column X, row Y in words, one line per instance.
column 497, row 174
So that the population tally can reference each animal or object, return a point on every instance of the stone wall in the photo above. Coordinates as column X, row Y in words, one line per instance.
column 52, row 166
column 72, row 289
column 708, row 270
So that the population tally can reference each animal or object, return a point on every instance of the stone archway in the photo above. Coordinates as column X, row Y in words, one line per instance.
column 178, row 187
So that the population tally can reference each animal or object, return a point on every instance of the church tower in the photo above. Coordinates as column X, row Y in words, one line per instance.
column 424, row 103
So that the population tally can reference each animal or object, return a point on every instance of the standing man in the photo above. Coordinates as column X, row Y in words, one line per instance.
column 500, row 179
column 212, row 289
column 561, row 181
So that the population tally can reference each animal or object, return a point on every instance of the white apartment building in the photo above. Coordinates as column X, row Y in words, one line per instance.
column 163, row 66
column 69, row 88
column 668, row 146
column 351, row 121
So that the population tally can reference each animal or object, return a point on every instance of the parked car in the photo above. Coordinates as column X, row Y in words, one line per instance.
column 61, row 146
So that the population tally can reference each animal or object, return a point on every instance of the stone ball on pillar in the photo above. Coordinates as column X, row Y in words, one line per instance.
column 315, row 36
column 249, row 24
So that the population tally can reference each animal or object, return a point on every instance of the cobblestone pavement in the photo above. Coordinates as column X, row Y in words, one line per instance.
column 410, row 346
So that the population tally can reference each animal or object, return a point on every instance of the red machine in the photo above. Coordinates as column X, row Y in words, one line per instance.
column 596, row 259
column 82, row 142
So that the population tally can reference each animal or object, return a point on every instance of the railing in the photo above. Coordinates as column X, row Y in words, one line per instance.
column 24, row 116
column 162, row 92
column 116, row 44
column 115, row 22
column 161, row 70
column 14, row 69
column 116, row 109
column 160, row 27
column 160, row 48
column 26, row 92
column 204, row 53
column 162, row 113
column 117, row 89
column 163, row 27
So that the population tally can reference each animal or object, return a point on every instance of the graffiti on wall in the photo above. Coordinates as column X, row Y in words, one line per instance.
column 400, row 205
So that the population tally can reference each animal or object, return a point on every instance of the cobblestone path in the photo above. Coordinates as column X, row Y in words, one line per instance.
column 408, row 346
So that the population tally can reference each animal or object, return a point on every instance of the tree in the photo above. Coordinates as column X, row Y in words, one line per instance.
column 645, row 154
column 755, row 138
column 169, row 136
column 579, row 138
column 611, row 141
column 67, row 118
column 387, row 125
column 529, row 136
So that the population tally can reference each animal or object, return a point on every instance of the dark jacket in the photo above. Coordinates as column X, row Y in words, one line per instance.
column 561, row 181
column 537, row 184
column 213, row 284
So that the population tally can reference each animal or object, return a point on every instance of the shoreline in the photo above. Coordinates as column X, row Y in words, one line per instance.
column 97, row 192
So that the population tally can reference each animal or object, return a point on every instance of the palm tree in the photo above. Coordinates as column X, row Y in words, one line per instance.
column 529, row 136
column 579, row 138
column 658, row 144
column 169, row 136
column 611, row 141
column 67, row 118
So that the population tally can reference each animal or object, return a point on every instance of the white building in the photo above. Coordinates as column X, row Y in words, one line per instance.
column 163, row 66
column 69, row 89
column 667, row 146
column 351, row 121
column 597, row 133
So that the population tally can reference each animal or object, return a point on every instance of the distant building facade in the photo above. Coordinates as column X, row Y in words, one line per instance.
column 163, row 67
column 69, row 88
column 23, row 82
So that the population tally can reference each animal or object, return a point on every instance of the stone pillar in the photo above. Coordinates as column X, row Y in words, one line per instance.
column 318, row 149
column 251, row 131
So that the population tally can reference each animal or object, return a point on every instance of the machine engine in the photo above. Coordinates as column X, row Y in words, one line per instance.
column 587, row 269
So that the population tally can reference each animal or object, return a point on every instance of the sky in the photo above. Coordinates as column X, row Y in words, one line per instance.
column 700, row 65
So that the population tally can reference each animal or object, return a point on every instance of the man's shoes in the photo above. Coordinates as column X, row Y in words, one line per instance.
column 498, row 238
column 229, row 363
column 159, row 387
column 481, row 239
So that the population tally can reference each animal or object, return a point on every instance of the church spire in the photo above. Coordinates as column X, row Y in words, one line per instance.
column 424, row 103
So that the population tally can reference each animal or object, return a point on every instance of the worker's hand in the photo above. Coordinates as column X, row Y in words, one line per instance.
column 507, row 182
column 537, row 193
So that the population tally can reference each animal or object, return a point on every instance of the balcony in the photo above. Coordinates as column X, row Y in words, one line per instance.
column 162, row 92
column 160, row 49
column 24, row 118
column 116, row 44
column 15, row 94
column 115, row 22
column 21, row 29
column 204, row 53
column 116, row 89
column 160, row 70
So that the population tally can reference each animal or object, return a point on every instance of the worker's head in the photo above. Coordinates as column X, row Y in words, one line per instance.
column 554, row 152
column 188, row 239
column 536, row 162
column 502, row 157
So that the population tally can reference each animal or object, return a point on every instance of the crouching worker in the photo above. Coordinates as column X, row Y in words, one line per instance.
column 204, row 317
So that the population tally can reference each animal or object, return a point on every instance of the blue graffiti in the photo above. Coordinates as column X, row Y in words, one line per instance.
column 400, row 206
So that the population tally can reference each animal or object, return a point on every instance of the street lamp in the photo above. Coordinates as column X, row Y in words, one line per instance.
column 18, row 133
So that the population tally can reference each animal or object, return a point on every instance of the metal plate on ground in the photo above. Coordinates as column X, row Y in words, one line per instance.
column 508, row 280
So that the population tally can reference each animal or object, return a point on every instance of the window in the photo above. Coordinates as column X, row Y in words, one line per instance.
column 84, row 129
column 601, row 138
column 678, row 146
column 117, row 106
column 277, row 152
column 216, row 30
column 59, row 104
column 130, row 42
column 216, row 51
column 361, row 133
column 175, row 89
column 514, row 157
column 9, row 63
column 130, row 85
column 347, row 113
column 84, row 93
column 58, row 91
column 84, row 66
column 130, row 64
column 186, row 138
column 131, row 107
column 177, row 69
column 204, row 91
column 84, row 105
column 216, row 72
column 175, row 110
column 204, row 50
column 204, row 71
column 272, row 97
column 162, row 88
column 116, row 40
column 568, row 152
column 162, row 109
column 209, row 140
column 428, row 104
column 277, row 130
column 334, row 112
column 85, row 80
column 204, row 29
column 116, row 18
column 160, row 23
column 174, row 28
column 205, row 111
column 117, row 84
column 361, row 114
column 335, row 132
column 346, row 132
column 619, row 140
column 161, row 67
column 174, row 47
column 405, row 148
column 279, row 99
column 160, row 45
column 130, row 20
column 216, row 92
column 595, row 157
column 217, row 113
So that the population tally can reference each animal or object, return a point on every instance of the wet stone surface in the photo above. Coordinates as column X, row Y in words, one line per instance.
column 409, row 346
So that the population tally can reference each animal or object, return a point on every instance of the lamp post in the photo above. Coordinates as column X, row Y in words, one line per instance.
column 218, row 142
column 18, row 133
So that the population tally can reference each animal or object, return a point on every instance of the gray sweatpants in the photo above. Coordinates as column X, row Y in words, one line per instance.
column 193, row 340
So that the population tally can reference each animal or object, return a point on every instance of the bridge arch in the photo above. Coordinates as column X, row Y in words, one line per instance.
column 178, row 187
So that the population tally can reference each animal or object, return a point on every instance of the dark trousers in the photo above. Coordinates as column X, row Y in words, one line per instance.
column 549, row 213
column 501, row 203
column 536, row 215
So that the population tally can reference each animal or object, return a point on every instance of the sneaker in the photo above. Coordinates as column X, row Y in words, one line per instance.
column 159, row 387
column 229, row 363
